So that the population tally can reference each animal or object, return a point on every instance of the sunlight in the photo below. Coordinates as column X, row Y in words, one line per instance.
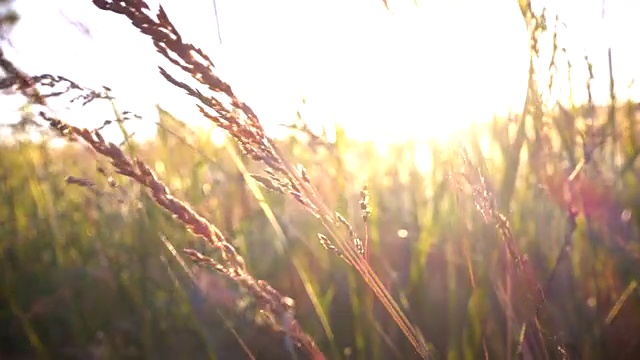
column 418, row 73
column 414, row 73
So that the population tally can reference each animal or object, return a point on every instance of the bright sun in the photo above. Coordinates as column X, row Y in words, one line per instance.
column 414, row 73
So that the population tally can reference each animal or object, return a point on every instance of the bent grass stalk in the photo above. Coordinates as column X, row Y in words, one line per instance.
column 243, row 125
column 232, row 265
column 239, row 120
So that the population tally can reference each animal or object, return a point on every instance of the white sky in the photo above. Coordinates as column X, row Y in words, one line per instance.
column 411, row 74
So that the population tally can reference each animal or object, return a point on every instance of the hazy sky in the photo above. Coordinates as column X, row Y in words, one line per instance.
column 412, row 73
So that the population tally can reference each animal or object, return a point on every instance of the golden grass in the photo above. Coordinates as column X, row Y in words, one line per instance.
column 555, row 281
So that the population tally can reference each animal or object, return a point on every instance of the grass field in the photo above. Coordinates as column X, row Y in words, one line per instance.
column 520, row 240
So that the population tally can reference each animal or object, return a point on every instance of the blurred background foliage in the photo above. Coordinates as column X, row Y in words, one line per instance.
column 86, row 270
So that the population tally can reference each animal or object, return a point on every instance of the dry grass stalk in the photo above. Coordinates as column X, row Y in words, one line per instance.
column 232, row 264
column 218, row 102
column 485, row 201
column 365, row 213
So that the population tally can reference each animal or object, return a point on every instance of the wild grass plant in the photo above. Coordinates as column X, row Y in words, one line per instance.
column 526, row 249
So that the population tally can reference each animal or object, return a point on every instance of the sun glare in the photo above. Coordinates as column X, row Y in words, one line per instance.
column 411, row 73
column 414, row 72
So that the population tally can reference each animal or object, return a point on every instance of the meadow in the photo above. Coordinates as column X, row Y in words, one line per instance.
column 520, row 240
